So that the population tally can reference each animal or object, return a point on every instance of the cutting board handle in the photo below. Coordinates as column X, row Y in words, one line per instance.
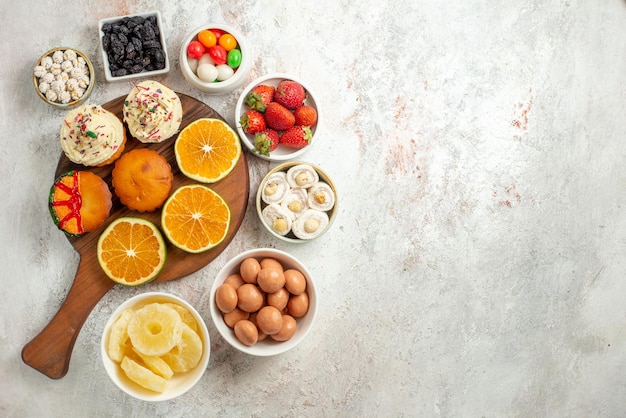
column 50, row 351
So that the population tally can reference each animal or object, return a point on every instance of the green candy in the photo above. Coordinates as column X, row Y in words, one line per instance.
column 234, row 58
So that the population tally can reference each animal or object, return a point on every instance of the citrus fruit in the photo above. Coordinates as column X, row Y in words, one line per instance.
column 207, row 150
column 155, row 329
column 131, row 251
column 187, row 353
column 143, row 376
column 195, row 218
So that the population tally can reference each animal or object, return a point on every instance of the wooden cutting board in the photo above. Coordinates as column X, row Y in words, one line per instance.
column 50, row 351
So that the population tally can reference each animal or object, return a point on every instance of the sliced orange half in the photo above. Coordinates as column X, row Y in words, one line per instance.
column 131, row 251
column 195, row 218
column 207, row 150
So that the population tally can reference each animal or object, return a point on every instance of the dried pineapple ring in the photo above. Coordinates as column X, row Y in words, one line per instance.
column 185, row 315
column 155, row 329
column 187, row 353
column 143, row 376
column 118, row 337
column 156, row 364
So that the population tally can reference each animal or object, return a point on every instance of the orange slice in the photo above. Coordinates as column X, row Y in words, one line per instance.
column 131, row 251
column 195, row 218
column 207, row 150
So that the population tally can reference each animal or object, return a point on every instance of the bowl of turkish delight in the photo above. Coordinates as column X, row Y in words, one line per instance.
column 296, row 202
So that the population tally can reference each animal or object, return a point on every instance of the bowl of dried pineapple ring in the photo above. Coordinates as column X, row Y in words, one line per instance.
column 155, row 346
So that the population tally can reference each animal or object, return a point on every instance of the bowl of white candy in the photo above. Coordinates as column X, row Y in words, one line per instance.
column 63, row 77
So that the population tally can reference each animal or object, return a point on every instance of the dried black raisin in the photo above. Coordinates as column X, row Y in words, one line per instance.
column 123, row 39
column 147, row 33
column 132, row 45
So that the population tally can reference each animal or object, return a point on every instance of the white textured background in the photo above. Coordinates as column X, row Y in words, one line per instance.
column 476, row 267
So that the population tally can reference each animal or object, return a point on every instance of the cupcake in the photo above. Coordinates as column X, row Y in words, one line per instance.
column 142, row 179
column 153, row 112
column 92, row 136
column 79, row 202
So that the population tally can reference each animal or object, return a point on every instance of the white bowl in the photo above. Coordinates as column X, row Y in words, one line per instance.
column 105, row 58
column 267, row 347
column 88, row 90
column 180, row 383
column 218, row 87
column 260, row 204
column 281, row 153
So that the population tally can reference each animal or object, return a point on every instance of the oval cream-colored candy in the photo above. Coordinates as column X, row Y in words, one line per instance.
column 70, row 54
column 302, row 175
column 57, row 57
column 277, row 219
column 39, row 71
column 44, row 87
column 321, row 197
column 275, row 188
column 310, row 224
column 295, row 203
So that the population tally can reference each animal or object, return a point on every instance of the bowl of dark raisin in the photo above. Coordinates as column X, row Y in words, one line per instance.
column 133, row 46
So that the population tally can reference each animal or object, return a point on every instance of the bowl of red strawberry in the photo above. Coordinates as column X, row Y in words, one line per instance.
column 277, row 117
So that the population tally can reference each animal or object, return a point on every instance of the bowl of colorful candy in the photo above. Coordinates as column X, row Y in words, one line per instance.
column 215, row 58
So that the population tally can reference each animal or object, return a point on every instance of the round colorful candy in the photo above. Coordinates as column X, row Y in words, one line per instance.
column 234, row 58
column 207, row 73
column 207, row 38
column 218, row 54
column 195, row 49
column 227, row 41
column 224, row 72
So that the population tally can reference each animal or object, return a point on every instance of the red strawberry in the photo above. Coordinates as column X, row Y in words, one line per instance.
column 305, row 115
column 265, row 141
column 290, row 94
column 278, row 117
column 296, row 137
column 252, row 122
column 260, row 96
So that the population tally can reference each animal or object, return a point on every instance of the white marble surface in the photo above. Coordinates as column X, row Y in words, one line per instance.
column 477, row 265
